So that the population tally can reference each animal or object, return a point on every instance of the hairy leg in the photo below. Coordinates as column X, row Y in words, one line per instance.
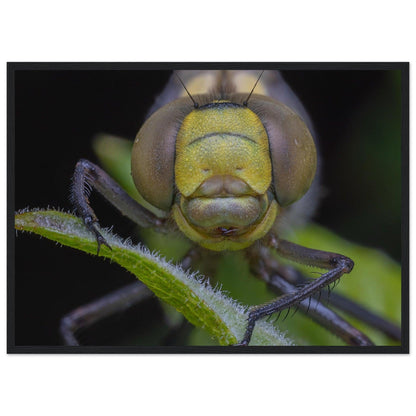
column 88, row 176
column 342, row 303
column 337, row 265
column 278, row 279
column 93, row 312
column 115, row 302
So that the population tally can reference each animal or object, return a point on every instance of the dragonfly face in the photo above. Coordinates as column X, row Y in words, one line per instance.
column 225, row 169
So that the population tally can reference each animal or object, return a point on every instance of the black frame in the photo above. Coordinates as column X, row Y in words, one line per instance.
column 13, row 67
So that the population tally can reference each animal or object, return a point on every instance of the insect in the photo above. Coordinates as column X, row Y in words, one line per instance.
column 230, row 160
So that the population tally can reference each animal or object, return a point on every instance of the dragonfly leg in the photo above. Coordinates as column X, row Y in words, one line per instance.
column 93, row 312
column 342, row 303
column 318, row 312
column 115, row 302
column 337, row 264
column 88, row 176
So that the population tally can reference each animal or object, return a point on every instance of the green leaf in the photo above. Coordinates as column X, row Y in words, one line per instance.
column 190, row 294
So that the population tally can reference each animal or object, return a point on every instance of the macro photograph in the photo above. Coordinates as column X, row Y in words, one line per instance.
column 230, row 207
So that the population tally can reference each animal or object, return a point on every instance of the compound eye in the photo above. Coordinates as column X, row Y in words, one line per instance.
column 153, row 154
column 292, row 149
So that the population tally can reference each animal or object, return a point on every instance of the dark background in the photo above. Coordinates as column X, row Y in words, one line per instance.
column 357, row 115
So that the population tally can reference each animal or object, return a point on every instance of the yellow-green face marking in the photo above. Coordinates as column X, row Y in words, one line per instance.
column 223, row 172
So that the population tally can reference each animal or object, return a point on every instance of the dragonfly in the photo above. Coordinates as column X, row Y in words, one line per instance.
column 229, row 159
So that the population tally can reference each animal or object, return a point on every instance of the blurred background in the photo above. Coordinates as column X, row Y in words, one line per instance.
column 357, row 116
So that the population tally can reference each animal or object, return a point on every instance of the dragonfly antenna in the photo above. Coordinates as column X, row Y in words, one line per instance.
column 196, row 105
column 251, row 92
